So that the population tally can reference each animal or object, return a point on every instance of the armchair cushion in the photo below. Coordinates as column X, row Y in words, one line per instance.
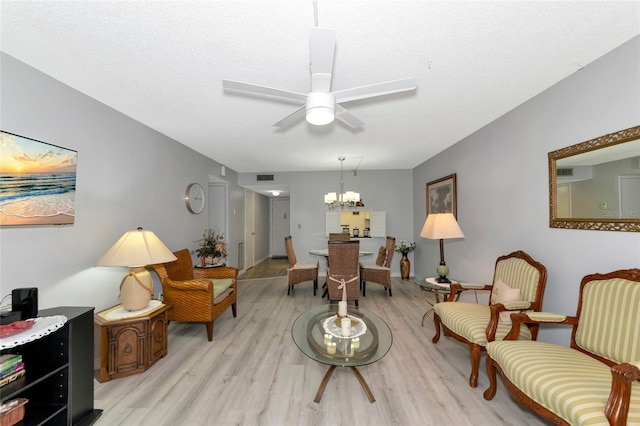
column 220, row 286
column 502, row 293
column 470, row 320
column 571, row 384
column 382, row 255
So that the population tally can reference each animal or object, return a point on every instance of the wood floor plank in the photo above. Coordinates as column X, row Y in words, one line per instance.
column 252, row 373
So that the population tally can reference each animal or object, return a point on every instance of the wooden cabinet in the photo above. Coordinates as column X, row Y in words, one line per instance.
column 58, row 380
column 131, row 344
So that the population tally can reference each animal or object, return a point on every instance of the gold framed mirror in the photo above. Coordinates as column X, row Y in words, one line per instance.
column 595, row 184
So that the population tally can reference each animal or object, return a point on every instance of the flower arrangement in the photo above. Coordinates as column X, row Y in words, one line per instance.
column 212, row 244
column 405, row 247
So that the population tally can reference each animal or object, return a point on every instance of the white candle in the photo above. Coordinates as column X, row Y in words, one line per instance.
column 327, row 339
column 355, row 342
column 342, row 309
column 345, row 324
column 331, row 348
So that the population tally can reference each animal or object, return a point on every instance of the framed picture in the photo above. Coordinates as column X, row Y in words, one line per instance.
column 37, row 182
column 441, row 195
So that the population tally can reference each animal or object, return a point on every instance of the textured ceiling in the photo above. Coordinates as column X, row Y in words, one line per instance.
column 162, row 63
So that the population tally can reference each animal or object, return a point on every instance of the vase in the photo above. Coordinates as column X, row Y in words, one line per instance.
column 405, row 267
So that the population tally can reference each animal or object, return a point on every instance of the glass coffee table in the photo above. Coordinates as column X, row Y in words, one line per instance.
column 313, row 339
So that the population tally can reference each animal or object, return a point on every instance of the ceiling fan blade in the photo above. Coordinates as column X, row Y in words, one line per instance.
column 322, row 43
column 347, row 118
column 263, row 90
column 292, row 118
column 374, row 90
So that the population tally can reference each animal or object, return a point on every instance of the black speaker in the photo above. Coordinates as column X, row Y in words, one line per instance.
column 25, row 300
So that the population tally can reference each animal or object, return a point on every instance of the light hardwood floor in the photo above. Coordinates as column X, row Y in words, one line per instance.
column 252, row 373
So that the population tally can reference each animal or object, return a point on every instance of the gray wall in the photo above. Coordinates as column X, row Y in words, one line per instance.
column 128, row 176
column 502, row 181
column 381, row 190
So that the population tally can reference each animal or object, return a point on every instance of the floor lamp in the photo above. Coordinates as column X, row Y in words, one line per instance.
column 441, row 226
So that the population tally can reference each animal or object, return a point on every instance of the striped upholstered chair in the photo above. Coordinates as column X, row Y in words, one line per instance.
column 518, row 284
column 595, row 381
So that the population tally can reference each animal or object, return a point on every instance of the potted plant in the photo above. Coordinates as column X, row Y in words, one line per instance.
column 405, row 248
column 213, row 247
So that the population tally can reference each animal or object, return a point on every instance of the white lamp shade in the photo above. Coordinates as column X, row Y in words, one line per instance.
column 137, row 248
column 330, row 197
column 441, row 226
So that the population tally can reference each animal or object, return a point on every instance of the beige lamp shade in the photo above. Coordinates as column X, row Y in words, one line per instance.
column 136, row 249
column 441, row 226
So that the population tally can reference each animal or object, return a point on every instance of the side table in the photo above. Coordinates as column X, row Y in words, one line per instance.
column 129, row 342
column 429, row 286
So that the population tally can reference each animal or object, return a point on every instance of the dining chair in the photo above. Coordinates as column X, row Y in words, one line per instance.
column 335, row 236
column 343, row 268
column 299, row 272
column 380, row 271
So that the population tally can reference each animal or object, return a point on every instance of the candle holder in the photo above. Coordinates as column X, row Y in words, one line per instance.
column 331, row 348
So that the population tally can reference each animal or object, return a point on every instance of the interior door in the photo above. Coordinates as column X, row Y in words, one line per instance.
column 280, row 226
column 250, row 229
column 629, row 196
column 218, row 207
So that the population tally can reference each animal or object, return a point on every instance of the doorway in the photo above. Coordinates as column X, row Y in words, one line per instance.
column 218, row 208
column 249, row 229
column 280, row 226
column 629, row 197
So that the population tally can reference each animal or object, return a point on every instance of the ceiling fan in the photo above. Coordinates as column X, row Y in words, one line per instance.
column 321, row 105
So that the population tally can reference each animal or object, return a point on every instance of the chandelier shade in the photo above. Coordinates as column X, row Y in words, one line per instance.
column 342, row 199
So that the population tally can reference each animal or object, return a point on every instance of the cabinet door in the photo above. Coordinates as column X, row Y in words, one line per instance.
column 127, row 349
column 158, row 337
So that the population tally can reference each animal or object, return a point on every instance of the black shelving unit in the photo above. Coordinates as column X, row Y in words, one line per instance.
column 59, row 373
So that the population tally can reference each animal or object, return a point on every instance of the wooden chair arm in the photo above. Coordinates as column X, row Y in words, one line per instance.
column 457, row 288
column 623, row 376
column 211, row 273
column 536, row 318
column 515, row 306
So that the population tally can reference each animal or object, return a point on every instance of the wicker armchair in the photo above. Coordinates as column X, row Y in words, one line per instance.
column 197, row 295
column 343, row 265
column 518, row 284
column 379, row 272
column 299, row 272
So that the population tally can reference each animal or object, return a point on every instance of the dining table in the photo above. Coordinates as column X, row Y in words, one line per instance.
column 325, row 252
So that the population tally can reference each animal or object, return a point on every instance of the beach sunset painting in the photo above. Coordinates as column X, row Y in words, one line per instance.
column 37, row 182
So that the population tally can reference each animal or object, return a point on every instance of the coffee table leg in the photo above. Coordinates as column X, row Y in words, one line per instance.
column 323, row 384
column 364, row 384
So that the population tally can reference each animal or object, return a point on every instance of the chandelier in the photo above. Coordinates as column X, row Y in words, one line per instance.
column 342, row 199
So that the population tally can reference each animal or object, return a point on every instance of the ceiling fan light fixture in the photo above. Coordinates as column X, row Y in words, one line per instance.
column 320, row 108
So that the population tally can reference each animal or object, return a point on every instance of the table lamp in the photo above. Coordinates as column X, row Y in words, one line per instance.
column 441, row 226
column 136, row 249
